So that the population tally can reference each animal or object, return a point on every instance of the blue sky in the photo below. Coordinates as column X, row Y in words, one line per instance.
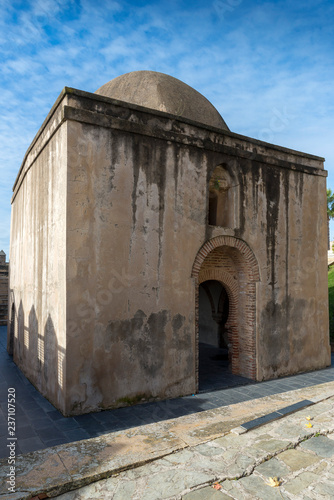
column 267, row 66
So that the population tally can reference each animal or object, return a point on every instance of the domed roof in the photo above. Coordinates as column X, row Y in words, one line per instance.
column 163, row 93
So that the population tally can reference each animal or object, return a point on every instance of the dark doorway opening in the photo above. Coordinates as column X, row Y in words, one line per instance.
column 213, row 314
column 214, row 361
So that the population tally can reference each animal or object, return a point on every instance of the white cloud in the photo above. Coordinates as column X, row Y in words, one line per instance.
column 253, row 61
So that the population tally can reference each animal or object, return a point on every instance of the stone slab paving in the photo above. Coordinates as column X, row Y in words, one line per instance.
column 171, row 458
column 242, row 465
column 40, row 426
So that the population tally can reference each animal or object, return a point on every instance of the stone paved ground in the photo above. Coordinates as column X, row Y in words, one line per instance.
column 171, row 457
column 298, row 451
column 40, row 426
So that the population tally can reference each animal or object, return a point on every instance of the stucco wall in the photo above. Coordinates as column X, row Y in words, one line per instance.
column 134, row 225
column 37, row 279
column 283, row 220
column 137, row 217
column 110, row 239
column 293, row 307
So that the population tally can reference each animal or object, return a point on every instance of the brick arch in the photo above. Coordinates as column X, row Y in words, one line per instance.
column 229, row 284
column 230, row 261
column 232, row 242
column 218, row 275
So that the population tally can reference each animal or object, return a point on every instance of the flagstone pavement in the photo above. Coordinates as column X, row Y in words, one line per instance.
column 258, row 441
column 39, row 425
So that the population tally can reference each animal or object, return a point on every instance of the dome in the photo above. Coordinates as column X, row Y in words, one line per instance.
column 163, row 93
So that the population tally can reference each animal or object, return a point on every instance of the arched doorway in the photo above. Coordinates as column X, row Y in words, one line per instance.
column 213, row 313
column 226, row 267
column 213, row 348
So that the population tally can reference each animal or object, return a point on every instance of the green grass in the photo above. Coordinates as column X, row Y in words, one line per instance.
column 331, row 302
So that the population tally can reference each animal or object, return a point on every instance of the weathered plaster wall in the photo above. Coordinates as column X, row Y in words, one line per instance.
column 283, row 219
column 137, row 217
column 134, row 222
column 37, row 280
column 292, row 303
column 111, row 204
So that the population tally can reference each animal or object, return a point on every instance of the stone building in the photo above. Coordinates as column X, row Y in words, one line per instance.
column 151, row 227
column 4, row 270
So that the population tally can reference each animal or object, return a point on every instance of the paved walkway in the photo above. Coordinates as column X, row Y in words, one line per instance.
column 291, row 458
column 184, row 457
column 39, row 425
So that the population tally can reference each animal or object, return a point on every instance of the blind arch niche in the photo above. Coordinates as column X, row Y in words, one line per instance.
column 223, row 199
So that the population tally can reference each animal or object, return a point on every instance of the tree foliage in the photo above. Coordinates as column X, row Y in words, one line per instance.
column 330, row 204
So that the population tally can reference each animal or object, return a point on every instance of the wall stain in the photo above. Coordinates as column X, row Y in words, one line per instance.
column 272, row 180
column 255, row 173
column 176, row 160
column 286, row 183
column 153, row 162
column 299, row 183
column 244, row 167
column 135, row 170
column 276, row 353
column 114, row 160
column 143, row 337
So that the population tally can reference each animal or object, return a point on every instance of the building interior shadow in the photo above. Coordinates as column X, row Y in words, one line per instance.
column 214, row 372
